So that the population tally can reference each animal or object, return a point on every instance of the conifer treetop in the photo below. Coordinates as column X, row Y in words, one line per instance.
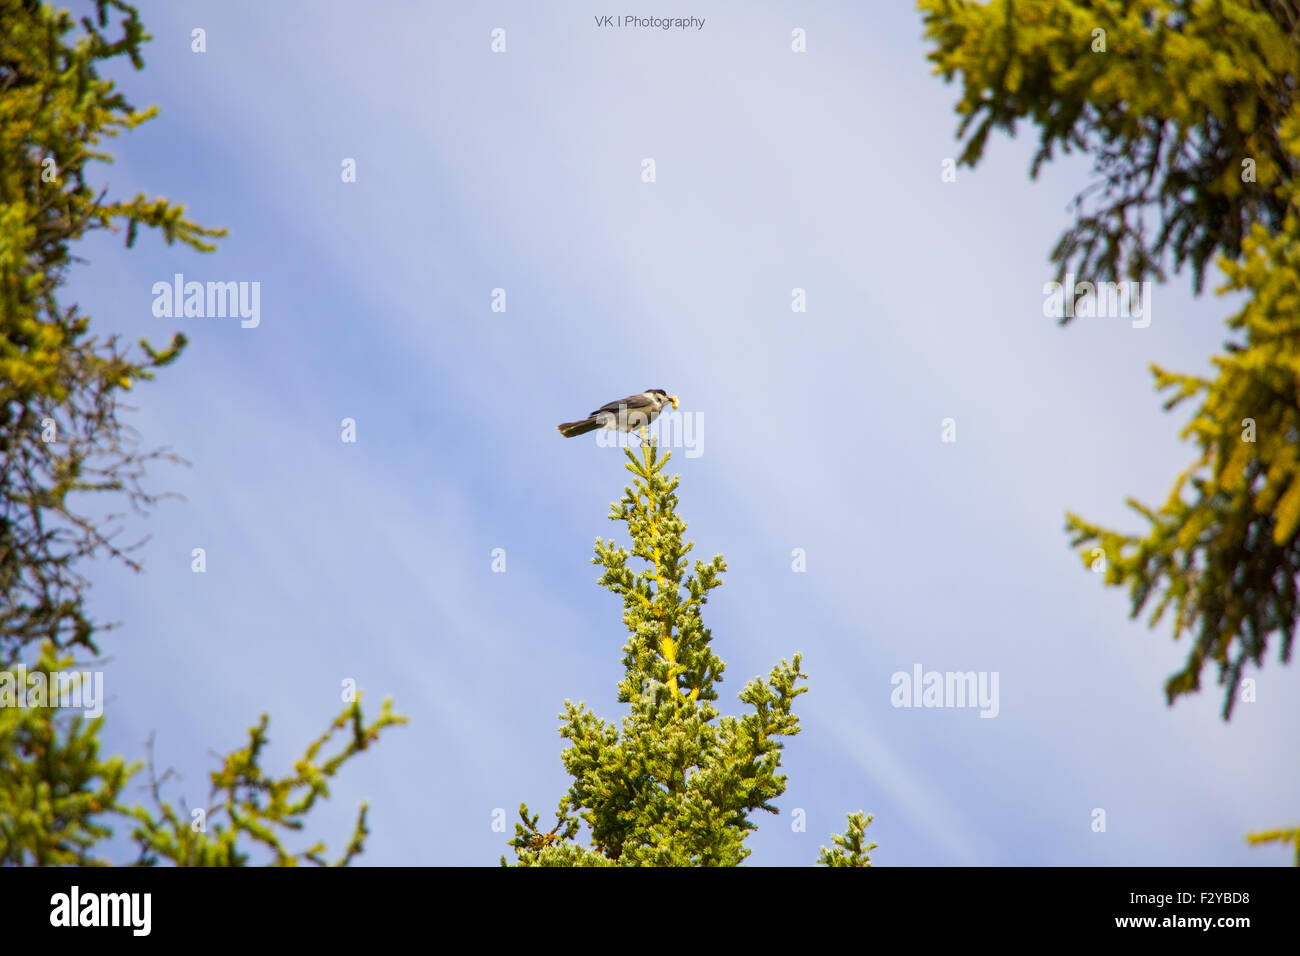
column 677, row 783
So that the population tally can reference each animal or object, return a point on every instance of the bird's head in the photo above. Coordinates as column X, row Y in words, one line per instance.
column 662, row 396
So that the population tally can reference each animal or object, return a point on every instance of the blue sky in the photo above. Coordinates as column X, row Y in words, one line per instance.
column 522, row 171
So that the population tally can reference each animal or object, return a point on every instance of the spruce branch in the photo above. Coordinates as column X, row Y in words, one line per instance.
column 851, row 848
column 1290, row 835
column 259, row 806
column 676, row 782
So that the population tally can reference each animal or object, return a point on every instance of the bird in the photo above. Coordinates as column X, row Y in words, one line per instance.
column 626, row 414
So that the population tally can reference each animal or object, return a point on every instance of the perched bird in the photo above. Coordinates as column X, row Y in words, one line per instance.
column 627, row 414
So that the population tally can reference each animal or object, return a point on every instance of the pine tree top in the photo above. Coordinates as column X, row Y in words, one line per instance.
column 677, row 783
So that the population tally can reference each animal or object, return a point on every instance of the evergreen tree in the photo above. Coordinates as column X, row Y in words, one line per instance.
column 1190, row 111
column 678, row 784
column 849, row 848
column 61, row 437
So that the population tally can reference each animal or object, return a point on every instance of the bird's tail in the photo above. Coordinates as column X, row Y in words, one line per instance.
column 570, row 429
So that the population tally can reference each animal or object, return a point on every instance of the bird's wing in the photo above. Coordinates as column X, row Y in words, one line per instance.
column 631, row 403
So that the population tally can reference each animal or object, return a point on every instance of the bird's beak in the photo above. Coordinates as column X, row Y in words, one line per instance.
column 673, row 399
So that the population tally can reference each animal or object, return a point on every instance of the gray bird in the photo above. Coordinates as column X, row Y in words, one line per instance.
column 627, row 414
